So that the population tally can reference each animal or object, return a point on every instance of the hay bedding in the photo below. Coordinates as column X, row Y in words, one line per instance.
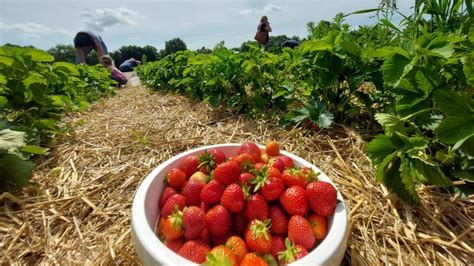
column 78, row 209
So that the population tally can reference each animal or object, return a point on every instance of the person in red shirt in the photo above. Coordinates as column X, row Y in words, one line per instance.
column 116, row 74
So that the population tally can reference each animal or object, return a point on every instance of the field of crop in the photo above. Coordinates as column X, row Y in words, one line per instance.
column 386, row 111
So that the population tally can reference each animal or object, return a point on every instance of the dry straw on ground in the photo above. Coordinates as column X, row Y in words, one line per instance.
column 78, row 209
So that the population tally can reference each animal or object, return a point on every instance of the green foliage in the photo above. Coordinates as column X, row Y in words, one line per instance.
column 414, row 81
column 174, row 45
column 13, row 167
column 35, row 91
column 132, row 51
column 63, row 52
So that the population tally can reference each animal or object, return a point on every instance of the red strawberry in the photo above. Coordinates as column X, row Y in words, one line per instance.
column 221, row 255
column 192, row 192
column 310, row 174
column 175, row 245
column 233, row 198
column 195, row 250
column 272, row 148
column 218, row 220
column 322, row 197
column 278, row 245
column 175, row 200
column 258, row 237
column 294, row 201
column 294, row 177
column 212, row 192
column 256, row 207
column 291, row 252
column 319, row 225
column 199, row 176
column 239, row 224
column 245, row 178
column 278, row 219
column 227, row 173
column 245, row 160
column 167, row 192
column 287, row 161
column 194, row 221
column 252, row 259
column 210, row 159
column 300, row 232
column 172, row 227
column 189, row 164
column 175, row 178
column 272, row 189
column 238, row 247
column 277, row 163
column 268, row 182
column 251, row 148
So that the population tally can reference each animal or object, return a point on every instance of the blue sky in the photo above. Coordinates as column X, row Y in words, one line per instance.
column 45, row 23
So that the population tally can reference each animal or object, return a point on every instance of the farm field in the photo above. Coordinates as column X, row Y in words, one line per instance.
column 78, row 211
column 386, row 110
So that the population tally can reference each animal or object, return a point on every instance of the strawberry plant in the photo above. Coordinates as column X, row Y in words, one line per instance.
column 35, row 92
column 429, row 133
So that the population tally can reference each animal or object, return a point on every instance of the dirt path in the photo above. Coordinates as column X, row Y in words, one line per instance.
column 78, row 210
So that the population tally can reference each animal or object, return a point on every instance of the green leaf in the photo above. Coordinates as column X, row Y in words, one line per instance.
column 46, row 123
column 389, row 24
column 393, row 181
column 3, row 79
column 34, row 78
column 455, row 128
column 38, row 55
column 393, row 69
column 6, row 61
column 382, row 167
column 3, row 101
column 388, row 121
column 13, row 168
column 407, row 172
column 57, row 100
column 441, row 48
column 66, row 68
column 34, row 150
column 431, row 172
column 363, row 11
column 454, row 103
column 316, row 45
column 468, row 67
column 379, row 148
column 325, row 119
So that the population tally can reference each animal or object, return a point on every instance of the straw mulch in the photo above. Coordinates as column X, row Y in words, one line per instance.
column 77, row 211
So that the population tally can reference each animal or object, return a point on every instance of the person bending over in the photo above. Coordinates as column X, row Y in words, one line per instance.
column 129, row 64
column 85, row 42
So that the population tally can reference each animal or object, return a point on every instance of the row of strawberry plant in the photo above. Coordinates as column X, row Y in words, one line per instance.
column 35, row 92
column 419, row 89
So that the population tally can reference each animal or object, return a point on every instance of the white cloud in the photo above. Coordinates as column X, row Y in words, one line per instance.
column 31, row 30
column 272, row 8
column 268, row 9
column 99, row 19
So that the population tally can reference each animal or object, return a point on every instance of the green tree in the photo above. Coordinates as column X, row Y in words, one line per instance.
column 63, row 52
column 137, row 52
column 174, row 45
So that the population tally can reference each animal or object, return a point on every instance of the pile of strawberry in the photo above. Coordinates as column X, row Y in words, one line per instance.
column 255, row 208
